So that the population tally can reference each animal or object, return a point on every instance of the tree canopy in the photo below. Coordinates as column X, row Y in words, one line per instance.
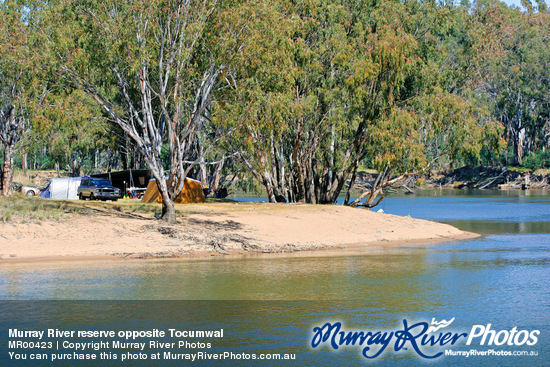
column 299, row 95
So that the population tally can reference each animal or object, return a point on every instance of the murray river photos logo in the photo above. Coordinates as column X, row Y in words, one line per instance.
column 421, row 338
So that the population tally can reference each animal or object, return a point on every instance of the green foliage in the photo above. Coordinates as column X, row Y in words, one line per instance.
column 72, row 128
column 519, row 74
column 537, row 160
column 307, row 90
column 335, row 83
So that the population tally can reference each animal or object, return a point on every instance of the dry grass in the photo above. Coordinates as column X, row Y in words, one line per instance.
column 19, row 208
column 23, row 208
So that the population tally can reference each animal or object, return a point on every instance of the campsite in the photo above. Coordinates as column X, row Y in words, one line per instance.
column 331, row 183
column 66, row 188
column 65, row 229
column 44, row 228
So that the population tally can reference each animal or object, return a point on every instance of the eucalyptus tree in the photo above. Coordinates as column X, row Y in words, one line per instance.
column 520, row 86
column 12, row 123
column 146, row 64
column 255, row 105
column 337, row 83
column 70, row 127
column 16, row 83
column 503, row 53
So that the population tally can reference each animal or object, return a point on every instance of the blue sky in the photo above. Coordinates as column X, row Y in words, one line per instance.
column 513, row 2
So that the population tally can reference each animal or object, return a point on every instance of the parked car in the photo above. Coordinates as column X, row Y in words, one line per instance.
column 26, row 190
column 30, row 190
column 97, row 188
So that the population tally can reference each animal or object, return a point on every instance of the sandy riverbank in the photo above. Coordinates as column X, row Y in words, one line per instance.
column 215, row 229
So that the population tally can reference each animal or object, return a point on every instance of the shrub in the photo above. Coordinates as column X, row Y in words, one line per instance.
column 537, row 160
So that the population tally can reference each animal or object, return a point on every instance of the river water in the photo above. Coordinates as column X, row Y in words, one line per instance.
column 272, row 303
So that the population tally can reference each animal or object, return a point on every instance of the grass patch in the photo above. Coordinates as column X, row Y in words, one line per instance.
column 23, row 208
column 123, row 206
column 365, row 169
column 216, row 200
column 139, row 207
column 133, row 206
column 518, row 169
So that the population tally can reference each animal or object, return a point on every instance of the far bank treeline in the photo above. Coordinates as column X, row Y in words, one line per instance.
column 293, row 95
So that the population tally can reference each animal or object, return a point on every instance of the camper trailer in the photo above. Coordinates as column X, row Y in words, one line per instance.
column 62, row 188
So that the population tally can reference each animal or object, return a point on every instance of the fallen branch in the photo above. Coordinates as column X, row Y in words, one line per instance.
column 382, row 182
column 504, row 171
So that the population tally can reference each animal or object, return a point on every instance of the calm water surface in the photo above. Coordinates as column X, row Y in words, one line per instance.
column 271, row 303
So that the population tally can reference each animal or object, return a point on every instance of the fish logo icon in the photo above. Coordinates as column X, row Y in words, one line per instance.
column 439, row 325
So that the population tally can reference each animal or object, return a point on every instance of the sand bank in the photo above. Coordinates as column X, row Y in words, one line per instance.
column 215, row 229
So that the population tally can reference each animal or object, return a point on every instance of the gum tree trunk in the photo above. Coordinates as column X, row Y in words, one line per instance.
column 168, row 209
column 11, row 125
column 8, row 171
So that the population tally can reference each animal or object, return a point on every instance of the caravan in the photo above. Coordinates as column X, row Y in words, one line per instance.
column 62, row 188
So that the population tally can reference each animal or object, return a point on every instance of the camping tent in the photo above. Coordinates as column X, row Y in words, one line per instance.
column 62, row 188
column 191, row 193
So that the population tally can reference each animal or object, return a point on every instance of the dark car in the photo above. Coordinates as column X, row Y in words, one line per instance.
column 97, row 188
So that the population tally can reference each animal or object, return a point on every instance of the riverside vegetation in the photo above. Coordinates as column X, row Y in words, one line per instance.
column 291, row 96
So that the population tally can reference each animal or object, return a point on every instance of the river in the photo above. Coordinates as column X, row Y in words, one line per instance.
column 270, row 304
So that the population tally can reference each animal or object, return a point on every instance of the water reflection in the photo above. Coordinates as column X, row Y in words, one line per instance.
column 495, row 227
column 501, row 277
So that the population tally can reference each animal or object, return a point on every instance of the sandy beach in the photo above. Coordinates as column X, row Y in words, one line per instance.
column 215, row 229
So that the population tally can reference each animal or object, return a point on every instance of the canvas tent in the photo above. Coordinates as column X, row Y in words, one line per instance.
column 191, row 193
column 62, row 188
